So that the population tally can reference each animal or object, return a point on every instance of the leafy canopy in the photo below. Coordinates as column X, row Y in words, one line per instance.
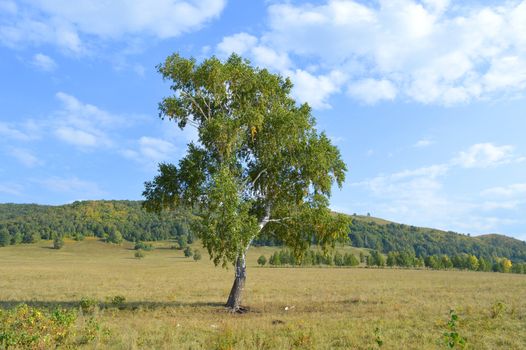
column 259, row 166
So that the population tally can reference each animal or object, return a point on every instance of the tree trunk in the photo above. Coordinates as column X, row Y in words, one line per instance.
column 234, row 299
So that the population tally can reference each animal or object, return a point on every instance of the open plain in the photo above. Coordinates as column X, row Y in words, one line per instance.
column 173, row 302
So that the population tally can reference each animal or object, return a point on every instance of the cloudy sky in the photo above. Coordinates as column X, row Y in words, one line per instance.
column 426, row 99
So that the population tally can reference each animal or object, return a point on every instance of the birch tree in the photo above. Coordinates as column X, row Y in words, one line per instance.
column 259, row 165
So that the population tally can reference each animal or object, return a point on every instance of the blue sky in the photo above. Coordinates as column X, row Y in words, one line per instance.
column 425, row 99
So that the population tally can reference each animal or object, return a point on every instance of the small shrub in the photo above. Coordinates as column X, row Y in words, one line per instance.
column 378, row 337
column 139, row 254
column 452, row 338
column 88, row 305
column 143, row 246
column 26, row 327
column 114, row 237
column 182, row 242
column 497, row 309
column 262, row 260
column 188, row 252
column 58, row 242
column 118, row 302
column 197, row 255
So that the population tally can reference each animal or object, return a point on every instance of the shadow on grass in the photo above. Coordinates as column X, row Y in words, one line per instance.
column 132, row 305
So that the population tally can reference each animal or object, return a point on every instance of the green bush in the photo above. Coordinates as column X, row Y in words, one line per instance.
column 188, row 252
column 114, row 237
column 338, row 259
column 27, row 327
column 58, row 242
column 5, row 237
column 118, row 302
column 262, row 260
column 197, row 255
column 350, row 260
column 139, row 254
column 88, row 305
column 143, row 246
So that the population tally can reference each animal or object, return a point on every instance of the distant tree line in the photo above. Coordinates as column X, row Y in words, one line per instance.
column 310, row 258
column 444, row 262
column 375, row 258
column 112, row 221
column 423, row 242
column 115, row 221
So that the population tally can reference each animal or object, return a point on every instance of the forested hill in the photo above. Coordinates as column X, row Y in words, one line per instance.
column 385, row 236
column 29, row 222
column 127, row 219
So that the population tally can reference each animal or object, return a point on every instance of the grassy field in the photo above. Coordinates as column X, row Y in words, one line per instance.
column 175, row 303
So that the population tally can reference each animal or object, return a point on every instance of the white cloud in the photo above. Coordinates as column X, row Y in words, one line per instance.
column 430, row 51
column 423, row 143
column 240, row 43
column 25, row 157
column 419, row 196
column 151, row 150
column 484, row 155
column 69, row 24
column 514, row 190
column 12, row 132
column 371, row 91
column 76, row 137
column 11, row 189
column 44, row 62
column 72, row 185
column 308, row 87
column 82, row 124
column 315, row 89
column 156, row 149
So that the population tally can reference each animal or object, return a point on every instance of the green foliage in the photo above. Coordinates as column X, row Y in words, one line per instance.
column 182, row 242
column 5, row 238
column 118, row 301
column 376, row 259
column 58, row 242
column 260, row 167
column 197, row 255
column 88, row 305
column 350, row 260
column 143, row 246
column 310, row 258
column 384, row 236
column 378, row 337
column 275, row 259
column 29, row 222
column 27, row 327
column 262, row 260
column 139, row 254
column 114, row 237
column 497, row 309
column 452, row 338
column 338, row 259
column 188, row 252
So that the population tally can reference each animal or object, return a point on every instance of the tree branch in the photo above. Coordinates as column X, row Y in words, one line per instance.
column 195, row 103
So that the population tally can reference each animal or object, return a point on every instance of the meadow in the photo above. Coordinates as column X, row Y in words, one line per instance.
column 173, row 302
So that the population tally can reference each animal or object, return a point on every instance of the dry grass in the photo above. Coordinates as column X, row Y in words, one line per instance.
column 176, row 303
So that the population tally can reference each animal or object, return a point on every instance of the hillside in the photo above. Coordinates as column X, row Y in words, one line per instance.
column 29, row 222
column 386, row 236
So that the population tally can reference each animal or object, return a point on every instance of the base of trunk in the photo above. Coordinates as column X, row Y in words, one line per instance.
column 234, row 299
